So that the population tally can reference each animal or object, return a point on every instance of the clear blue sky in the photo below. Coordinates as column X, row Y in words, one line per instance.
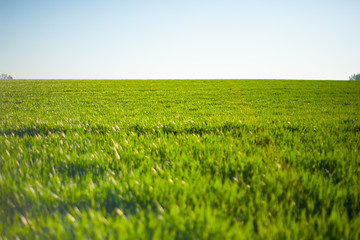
column 307, row 39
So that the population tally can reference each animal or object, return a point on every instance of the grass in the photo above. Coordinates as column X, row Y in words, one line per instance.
column 204, row 159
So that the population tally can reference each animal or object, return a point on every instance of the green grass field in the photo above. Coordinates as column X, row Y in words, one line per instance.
column 246, row 159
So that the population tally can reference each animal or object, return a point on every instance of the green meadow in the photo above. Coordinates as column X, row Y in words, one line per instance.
column 172, row 159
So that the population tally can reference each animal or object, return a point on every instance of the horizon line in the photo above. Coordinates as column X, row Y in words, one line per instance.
column 303, row 79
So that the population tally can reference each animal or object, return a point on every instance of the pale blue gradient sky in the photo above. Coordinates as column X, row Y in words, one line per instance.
column 308, row 39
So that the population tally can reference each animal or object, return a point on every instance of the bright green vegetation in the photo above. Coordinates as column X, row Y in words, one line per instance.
column 180, row 159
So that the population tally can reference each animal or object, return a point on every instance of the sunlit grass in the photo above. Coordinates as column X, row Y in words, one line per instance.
column 179, row 159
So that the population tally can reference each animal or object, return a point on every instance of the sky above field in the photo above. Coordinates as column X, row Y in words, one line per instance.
column 308, row 39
